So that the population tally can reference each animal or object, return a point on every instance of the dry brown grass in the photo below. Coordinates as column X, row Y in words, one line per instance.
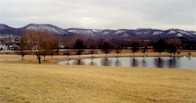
column 50, row 83
column 24, row 81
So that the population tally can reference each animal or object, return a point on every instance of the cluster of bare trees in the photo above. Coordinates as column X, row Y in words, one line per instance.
column 171, row 46
column 41, row 44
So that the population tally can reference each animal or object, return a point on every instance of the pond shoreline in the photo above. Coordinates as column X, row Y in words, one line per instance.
column 147, row 54
column 32, row 59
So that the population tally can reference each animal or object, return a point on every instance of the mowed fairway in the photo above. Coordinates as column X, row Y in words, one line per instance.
column 51, row 83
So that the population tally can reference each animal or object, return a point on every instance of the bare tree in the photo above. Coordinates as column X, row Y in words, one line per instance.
column 92, row 46
column 22, row 47
column 118, row 45
column 40, row 42
column 134, row 47
column 144, row 49
column 49, row 45
column 68, row 43
column 67, row 52
column 106, row 47
column 92, row 50
column 79, row 46
column 144, row 45
column 159, row 46
column 173, row 45
column 118, row 49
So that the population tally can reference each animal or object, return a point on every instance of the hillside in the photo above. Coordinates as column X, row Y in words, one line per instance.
column 124, row 33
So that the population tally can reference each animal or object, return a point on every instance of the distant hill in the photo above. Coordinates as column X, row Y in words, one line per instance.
column 124, row 33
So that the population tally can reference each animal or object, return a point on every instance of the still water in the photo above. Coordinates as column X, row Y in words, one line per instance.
column 148, row 62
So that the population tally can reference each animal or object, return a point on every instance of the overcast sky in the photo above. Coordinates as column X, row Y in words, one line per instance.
column 101, row 14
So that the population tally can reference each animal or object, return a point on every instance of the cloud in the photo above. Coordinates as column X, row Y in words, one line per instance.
column 100, row 14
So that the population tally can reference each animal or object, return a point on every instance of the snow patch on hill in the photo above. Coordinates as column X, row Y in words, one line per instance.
column 157, row 33
column 45, row 27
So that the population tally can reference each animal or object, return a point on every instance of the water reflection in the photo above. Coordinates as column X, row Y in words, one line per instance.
column 159, row 62
column 172, row 62
column 67, row 62
column 92, row 63
column 117, row 63
column 106, row 62
column 150, row 62
column 134, row 62
column 79, row 62
column 189, row 58
column 144, row 63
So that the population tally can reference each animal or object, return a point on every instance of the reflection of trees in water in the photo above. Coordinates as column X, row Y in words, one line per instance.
column 134, row 62
column 159, row 62
column 92, row 62
column 117, row 63
column 189, row 58
column 144, row 63
column 78, row 62
column 106, row 62
column 172, row 62
column 67, row 62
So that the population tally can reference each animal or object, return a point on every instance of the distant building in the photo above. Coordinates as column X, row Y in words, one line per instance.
column 8, row 42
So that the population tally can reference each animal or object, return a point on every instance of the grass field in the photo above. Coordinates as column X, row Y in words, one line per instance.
column 24, row 81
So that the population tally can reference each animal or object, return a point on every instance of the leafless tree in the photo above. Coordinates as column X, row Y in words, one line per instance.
column 92, row 50
column 79, row 46
column 22, row 47
column 68, row 42
column 118, row 44
column 134, row 47
column 118, row 49
column 144, row 48
column 159, row 46
column 91, row 46
column 49, row 45
column 106, row 47
column 40, row 42
column 67, row 52
column 173, row 45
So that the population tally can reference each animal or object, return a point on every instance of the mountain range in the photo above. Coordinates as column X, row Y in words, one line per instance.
column 126, row 33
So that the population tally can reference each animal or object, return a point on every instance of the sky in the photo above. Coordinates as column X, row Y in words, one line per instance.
column 101, row 14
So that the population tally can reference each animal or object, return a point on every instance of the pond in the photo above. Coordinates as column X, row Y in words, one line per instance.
column 148, row 62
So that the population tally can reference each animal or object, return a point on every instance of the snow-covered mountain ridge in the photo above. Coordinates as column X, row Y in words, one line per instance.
column 8, row 30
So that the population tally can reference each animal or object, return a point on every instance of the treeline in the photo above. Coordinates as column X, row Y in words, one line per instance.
column 41, row 44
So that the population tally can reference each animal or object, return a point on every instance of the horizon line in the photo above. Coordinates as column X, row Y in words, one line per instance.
column 94, row 28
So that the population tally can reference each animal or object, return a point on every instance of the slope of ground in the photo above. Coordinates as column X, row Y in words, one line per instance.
column 50, row 83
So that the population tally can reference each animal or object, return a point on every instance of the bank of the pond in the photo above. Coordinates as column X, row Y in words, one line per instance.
column 32, row 59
